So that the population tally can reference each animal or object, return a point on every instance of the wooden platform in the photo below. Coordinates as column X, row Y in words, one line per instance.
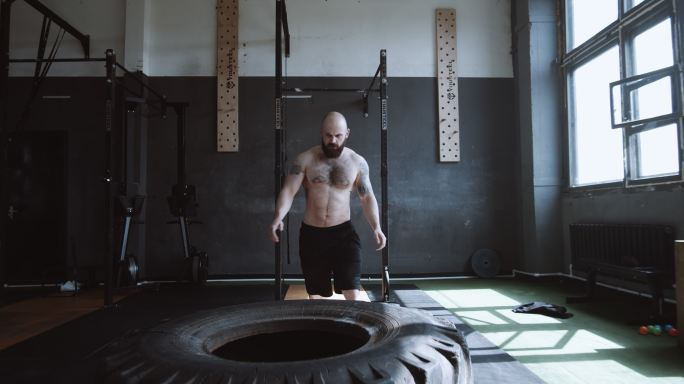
column 298, row 292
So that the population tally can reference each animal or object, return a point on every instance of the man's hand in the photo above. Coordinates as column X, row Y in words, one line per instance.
column 380, row 239
column 276, row 226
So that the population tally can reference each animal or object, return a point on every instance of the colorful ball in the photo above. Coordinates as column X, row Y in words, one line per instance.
column 673, row 332
column 643, row 330
column 667, row 327
column 657, row 330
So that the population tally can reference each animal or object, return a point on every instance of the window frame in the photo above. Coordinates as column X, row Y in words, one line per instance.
column 621, row 32
column 649, row 78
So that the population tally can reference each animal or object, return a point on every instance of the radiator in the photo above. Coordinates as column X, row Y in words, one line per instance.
column 623, row 245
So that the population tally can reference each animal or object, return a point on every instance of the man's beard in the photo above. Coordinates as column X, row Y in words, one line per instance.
column 332, row 151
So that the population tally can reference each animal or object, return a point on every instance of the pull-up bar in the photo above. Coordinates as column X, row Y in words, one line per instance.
column 299, row 90
column 364, row 92
column 64, row 60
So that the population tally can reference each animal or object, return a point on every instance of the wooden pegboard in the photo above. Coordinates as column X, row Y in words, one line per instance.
column 227, row 137
column 447, row 86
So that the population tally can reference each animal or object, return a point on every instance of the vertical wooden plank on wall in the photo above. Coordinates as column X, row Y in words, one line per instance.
column 447, row 86
column 227, row 138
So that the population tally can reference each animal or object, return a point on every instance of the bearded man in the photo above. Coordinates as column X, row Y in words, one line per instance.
column 328, row 242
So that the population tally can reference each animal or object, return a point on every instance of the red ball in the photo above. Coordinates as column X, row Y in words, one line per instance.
column 673, row 332
column 643, row 330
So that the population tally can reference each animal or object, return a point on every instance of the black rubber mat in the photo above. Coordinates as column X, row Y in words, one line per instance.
column 68, row 353
column 490, row 363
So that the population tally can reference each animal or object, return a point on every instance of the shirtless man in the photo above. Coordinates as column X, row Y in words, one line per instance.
column 327, row 239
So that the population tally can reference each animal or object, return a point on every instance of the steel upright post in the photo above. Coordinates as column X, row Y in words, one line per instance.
column 110, row 101
column 383, row 173
column 278, row 137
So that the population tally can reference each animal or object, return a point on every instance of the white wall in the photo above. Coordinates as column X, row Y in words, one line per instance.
column 329, row 37
column 344, row 38
column 103, row 20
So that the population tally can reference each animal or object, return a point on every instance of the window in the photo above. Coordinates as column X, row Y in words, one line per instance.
column 653, row 48
column 624, row 113
column 597, row 147
column 657, row 150
column 587, row 17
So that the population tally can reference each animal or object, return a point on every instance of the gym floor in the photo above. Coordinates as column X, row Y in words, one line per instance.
column 597, row 344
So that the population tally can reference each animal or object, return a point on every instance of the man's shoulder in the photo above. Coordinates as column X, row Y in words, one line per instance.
column 355, row 157
column 307, row 155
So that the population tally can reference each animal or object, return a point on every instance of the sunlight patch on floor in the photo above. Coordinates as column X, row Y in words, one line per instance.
column 503, row 316
column 500, row 338
column 593, row 371
column 555, row 342
column 533, row 340
column 480, row 318
column 471, row 298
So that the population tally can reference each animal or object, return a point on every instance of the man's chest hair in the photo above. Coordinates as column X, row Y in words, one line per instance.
column 333, row 172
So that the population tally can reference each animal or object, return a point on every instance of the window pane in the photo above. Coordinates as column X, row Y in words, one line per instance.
column 597, row 149
column 658, row 152
column 653, row 100
column 588, row 17
column 629, row 4
column 653, row 48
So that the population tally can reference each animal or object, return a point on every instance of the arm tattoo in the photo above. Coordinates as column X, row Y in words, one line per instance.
column 295, row 169
column 363, row 186
column 364, row 182
column 363, row 169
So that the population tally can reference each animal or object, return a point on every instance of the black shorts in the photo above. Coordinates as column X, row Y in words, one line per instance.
column 335, row 250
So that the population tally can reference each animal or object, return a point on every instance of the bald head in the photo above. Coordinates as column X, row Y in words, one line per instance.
column 334, row 132
column 333, row 119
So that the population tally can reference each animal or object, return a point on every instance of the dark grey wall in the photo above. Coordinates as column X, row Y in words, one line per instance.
column 81, row 116
column 439, row 213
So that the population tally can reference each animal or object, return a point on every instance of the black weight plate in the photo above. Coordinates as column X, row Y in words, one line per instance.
column 485, row 263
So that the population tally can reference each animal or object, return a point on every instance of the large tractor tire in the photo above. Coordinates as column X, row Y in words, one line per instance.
column 321, row 341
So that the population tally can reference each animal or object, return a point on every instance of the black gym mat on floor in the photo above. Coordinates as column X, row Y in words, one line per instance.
column 65, row 353
column 490, row 363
